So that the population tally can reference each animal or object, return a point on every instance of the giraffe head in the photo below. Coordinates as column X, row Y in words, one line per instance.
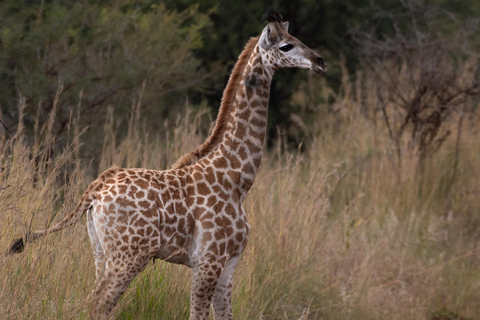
column 283, row 50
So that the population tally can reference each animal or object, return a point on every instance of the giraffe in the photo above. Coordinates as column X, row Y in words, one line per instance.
column 191, row 214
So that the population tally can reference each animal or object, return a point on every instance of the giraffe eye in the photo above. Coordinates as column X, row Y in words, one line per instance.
column 286, row 47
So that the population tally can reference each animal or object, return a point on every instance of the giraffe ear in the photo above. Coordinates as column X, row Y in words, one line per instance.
column 265, row 38
column 285, row 24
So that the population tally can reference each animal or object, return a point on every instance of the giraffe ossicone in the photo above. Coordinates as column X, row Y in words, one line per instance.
column 191, row 214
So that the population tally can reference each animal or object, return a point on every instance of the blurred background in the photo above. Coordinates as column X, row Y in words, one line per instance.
column 367, row 205
column 103, row 53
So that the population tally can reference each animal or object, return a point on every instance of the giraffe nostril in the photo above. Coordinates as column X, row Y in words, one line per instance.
column 320, row 61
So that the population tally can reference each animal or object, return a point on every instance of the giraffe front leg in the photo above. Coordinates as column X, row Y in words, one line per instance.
column 205, row 279
column 222, row 297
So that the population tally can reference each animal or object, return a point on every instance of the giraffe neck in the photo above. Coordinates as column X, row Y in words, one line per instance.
column 244, row 138
column 226, row 107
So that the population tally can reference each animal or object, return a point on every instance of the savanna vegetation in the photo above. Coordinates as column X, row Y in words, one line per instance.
column 367, row 204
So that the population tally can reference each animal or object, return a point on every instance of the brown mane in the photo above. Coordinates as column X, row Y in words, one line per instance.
column 225, row 109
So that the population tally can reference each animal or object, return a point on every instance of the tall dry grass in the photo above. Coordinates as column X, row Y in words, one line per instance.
column 338, row 232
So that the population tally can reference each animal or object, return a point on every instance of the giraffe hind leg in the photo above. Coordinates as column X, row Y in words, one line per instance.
column 110, row 287
column 98, row 253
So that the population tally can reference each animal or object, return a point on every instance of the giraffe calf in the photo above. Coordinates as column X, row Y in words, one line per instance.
column 191, row 214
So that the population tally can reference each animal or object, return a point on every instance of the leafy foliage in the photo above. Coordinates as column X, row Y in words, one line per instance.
column 106, row 51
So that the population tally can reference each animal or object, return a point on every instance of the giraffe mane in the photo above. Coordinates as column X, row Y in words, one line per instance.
column 225, row 109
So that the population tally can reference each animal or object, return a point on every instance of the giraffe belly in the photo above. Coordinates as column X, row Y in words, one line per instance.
column 171, row 251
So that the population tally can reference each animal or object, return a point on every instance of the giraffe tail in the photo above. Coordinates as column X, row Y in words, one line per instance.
column 19, row 244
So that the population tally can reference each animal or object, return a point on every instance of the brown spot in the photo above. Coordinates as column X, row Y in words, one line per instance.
column 219, row 221
column 158, row 185
column 258, row 70
column 144, row 204
column 263, row 93
column 168, row 231
column 152, row 195
column 143, row 184
column 170, row 208
column 239, row 237
column 235, row 176
column 203, row 189
column 180, row 209
column 200, row 200
column 252, row 147
column 262, row 113
column 247, row 168
column 210, row 176
column 197, row 212
column 221, row 248
column 180, row 241
column 197, row 176
column 207, row 225
column 241, row 130
column 218, row 207
column 240, row 224
column 245, row 115
column 235, row 163
column 190, row 190
column 165, row 196
column 176, row 194
column 212, row 200
column 207, row 236
column 140, row 222
column 189, row 201
column 228, row 231
column 220, row 163
column 227, row 185
column 122, row 189
column 219, row 234
column 258, row 135
column 242, row 105
column 258, row 123
column 132, row 191
column 170, row 219
column 124, row 202
column 256, row 161
column 223, row 195
column 220, row 175
column 230, row 210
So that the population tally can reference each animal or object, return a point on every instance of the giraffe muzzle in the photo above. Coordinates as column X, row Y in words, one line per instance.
column 318, row 65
